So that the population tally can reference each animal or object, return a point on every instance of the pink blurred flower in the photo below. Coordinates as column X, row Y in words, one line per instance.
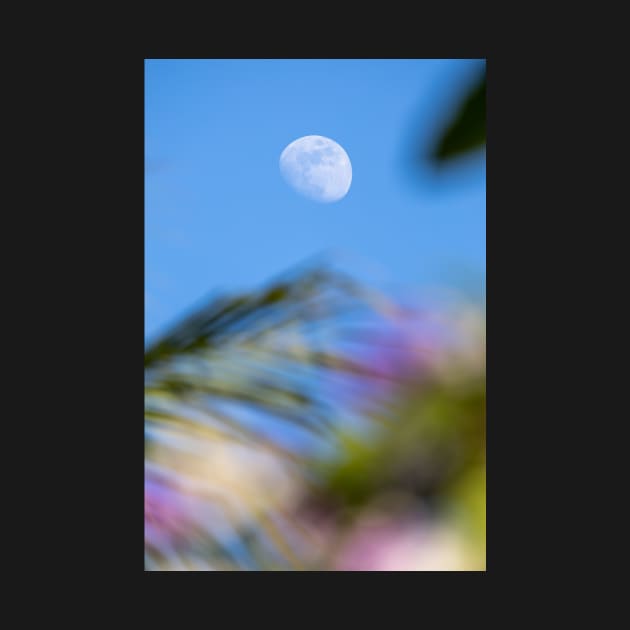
column 168, row 513
column 404, row 545
column 395, row 352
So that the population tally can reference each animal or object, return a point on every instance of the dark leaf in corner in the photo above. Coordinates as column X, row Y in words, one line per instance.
column 467, row 131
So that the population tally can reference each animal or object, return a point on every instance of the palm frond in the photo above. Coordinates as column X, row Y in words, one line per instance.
column 263, row 355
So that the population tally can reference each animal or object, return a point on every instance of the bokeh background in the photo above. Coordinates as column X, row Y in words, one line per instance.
column 315, row 373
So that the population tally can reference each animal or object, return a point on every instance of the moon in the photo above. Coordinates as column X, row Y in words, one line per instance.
column 317, row 168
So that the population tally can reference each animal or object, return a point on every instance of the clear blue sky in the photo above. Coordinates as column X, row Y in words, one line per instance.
column 218, row 214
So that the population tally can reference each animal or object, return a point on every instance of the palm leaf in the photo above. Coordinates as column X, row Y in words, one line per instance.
column 264, row 353
column 466, row 130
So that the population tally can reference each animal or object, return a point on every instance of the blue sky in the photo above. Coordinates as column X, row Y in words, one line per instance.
column 219, row 215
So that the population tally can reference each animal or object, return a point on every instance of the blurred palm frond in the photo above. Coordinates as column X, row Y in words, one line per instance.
column 222, row 379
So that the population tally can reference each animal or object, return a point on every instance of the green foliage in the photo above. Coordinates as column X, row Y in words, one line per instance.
column 467, row 129
column 263, row 351
column 428, row 437
column 256, row 348
column 272, row 351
